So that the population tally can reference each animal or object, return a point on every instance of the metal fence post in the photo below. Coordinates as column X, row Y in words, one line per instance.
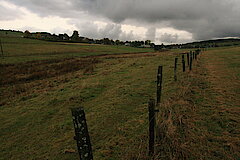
column 81, row 134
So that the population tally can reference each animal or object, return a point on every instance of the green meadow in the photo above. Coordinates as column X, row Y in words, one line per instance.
column 41, row 81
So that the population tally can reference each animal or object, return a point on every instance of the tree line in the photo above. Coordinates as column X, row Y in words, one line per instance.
column 76, row 38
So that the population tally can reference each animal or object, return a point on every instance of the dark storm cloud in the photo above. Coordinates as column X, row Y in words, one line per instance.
column 205, row 19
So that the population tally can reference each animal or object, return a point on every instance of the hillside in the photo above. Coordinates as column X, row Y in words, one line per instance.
column 18, row 49
column 208, row 43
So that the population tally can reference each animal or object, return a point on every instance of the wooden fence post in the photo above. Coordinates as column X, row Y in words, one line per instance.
column 1, row 47
column 183, row 62
column 188, row 59
column 159, row 84
column 190, row 66
column 175, row 69
column 81, row 134
column 151, row 111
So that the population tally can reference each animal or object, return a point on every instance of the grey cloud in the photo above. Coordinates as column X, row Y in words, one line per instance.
column 168, row 38
column 9, row 14
column 151, row 34
column 129, row 36
column 205, row 19
column 111, row 31
column 44, row 8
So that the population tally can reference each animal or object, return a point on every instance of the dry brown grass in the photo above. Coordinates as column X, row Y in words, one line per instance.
column 199, row 121
column 36, row 70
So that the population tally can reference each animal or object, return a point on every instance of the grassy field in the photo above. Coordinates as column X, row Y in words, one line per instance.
column 36, row 97
column 202, row 119
column 17, row 49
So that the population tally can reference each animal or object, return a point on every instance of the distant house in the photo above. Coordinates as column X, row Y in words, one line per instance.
column 127, row 44
column 145, row 46
column 63, row 37
column 41, row 35
column 159, row 47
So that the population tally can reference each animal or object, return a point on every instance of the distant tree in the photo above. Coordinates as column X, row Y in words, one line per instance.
column 147, row 42
column 27, row 34
column 106, row 41
column 162, row 45
column 75, row 36
column 55, row 37
column 122, row 43
column 65, row 36
column 117, row 42
column 111, row 42
column 152, row 45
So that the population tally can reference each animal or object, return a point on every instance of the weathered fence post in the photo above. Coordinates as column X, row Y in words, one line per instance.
column 188, row 59
column 175, row 69
column 151, row 110
column 1, row 47
column 81, row 134
column 159, row 84
column 191, row 59
column 183, row 62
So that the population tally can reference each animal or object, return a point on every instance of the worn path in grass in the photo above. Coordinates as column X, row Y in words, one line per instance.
column 220, row 116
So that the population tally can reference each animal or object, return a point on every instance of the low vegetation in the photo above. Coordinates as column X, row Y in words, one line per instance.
column 201, row 120
column 40, row 84
column 17, row 49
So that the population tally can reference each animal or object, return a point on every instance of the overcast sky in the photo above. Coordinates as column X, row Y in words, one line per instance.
column 162, row 21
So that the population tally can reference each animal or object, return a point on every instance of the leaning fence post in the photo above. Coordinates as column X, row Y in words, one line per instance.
column 151, row 110
column 159, row 84
column 175, row 69
column 81, row 134
column 183, row 63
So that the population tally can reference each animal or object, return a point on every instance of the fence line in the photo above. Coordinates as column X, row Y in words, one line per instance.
column 79, row 120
